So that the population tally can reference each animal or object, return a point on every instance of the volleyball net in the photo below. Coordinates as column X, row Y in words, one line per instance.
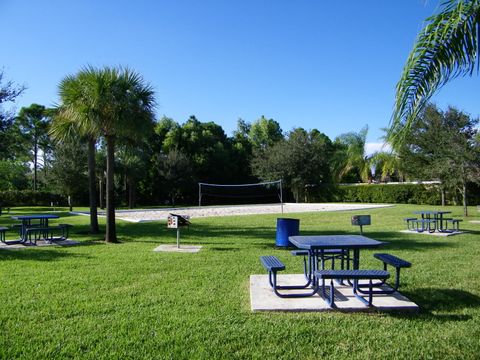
column 240, row 194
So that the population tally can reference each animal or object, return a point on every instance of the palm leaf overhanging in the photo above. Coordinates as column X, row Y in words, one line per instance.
column 446, row 48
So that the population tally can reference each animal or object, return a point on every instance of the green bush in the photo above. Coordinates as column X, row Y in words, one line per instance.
column 390, row 193
column 29, row 198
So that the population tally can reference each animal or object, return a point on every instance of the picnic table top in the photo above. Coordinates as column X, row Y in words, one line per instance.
column 432, row 212
column 35, row 216
column 317, row 242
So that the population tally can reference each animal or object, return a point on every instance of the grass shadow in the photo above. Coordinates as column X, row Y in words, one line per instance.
column 43, row 255
column 434, row 300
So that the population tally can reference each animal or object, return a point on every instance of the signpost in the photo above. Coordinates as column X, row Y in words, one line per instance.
column 175, row 221
column 360, row 220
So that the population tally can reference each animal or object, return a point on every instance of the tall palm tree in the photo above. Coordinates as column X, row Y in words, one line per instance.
column 128, row 113
column 447, row 47
column 111, row 103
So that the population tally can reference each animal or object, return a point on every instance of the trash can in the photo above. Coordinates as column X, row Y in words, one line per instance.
column 286, row 228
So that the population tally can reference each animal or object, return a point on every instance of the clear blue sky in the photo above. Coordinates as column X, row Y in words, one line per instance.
column 330, row 65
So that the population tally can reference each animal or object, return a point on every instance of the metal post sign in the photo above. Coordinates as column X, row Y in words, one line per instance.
column 175, row 221
column 172, row 222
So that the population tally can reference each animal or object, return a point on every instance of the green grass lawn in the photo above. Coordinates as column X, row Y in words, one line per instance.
column 123, row 301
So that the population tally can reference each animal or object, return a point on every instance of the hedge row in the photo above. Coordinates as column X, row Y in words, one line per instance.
column 390, row 193
column 29, row 198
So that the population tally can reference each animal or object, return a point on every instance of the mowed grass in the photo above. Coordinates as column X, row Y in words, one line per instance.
column 124, row 301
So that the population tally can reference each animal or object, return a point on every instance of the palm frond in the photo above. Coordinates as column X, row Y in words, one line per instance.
column 447, row 48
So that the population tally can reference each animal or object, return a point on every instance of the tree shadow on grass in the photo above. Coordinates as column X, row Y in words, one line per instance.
column 434, row 300
column 43, row 255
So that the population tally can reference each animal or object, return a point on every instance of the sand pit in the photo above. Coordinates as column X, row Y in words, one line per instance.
column 209, row 211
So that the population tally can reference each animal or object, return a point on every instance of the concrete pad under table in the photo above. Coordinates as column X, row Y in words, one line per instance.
column 181, row 249
column 262, row 298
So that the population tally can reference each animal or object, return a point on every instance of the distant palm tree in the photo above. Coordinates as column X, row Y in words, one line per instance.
column 111, row 103
column 353, row 156
column 388, row 163
column 446, row 48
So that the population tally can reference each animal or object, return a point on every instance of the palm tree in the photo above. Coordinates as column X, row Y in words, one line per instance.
column 353, row 155
column 388, row 163
column 76, row 109
column 112, row 103
column 446, row 48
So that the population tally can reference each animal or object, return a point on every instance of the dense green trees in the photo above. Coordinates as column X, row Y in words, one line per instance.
column 302, row 160
column 32, row 125
column 442, row 146
column 9, row 91
column 106, row 138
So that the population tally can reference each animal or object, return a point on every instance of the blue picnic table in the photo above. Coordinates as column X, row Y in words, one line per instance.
column 27, row 223
column 317, row 246
column 432, row 220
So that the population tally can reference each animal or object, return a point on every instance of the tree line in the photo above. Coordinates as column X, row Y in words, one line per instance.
column 103, row 146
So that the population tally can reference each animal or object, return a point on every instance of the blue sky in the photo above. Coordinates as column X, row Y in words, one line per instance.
column 328, row 65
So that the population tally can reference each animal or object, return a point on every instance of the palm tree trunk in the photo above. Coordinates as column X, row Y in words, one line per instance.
column 131, row 193
column 110, row 235
column 100, row 187
column 92, row 191
column 35, row 154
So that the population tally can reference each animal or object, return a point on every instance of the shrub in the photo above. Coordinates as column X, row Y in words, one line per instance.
column 29, row 198
column 390, row 193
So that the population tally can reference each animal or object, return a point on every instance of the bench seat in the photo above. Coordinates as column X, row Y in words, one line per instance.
column 3, row 229
column 420, row 225
column 410, row 221
column 45, row 233
column 397, row 263
column 455, row 223
column 272, row 264
column 354, row 275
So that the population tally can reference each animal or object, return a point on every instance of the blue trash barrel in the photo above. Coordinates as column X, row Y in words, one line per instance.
column 285, row 228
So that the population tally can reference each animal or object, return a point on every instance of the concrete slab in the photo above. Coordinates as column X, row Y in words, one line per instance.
column 40, row 243
column 262, row 298
column 181, row 249
column 436, row 233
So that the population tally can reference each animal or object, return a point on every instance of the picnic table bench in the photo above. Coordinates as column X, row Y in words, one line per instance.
column 272, row 264
column 3, row 229
column 354, row 275
column 455, row 224
column 397, row 263
column 46, row 233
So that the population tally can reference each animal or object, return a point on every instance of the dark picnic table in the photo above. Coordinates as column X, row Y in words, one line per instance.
column 27, row 223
